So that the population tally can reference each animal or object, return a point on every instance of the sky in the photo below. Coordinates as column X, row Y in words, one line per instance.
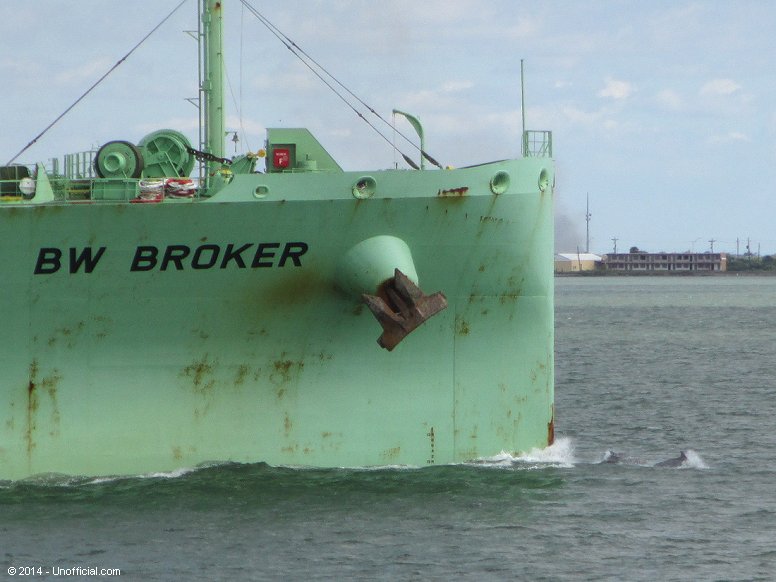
column 663, row 113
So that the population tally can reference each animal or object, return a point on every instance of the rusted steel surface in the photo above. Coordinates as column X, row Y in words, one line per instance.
column 271, row 364
column 551, row 428
column 453, row 192
column 403, row 308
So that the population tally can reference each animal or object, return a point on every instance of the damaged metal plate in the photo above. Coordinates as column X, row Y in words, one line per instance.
column 401, row 308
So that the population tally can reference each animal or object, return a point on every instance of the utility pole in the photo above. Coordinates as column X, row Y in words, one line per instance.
column 737, row 253
column 587, row 220
column 711, row 242
column 614, row 240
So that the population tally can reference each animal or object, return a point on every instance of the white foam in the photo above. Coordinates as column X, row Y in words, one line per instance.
column 608, row 456
column 694, row 460
column 174, row 474
column 100, row 480
column 169, row 474
column 558, row 454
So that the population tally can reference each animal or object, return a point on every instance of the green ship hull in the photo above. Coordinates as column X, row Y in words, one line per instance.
column 233, row 327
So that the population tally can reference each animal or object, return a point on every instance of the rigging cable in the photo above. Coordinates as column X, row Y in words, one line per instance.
column 100, row 80
column 307, row 60
column 237, row 106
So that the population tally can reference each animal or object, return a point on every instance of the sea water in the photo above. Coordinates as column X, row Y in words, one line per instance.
column 646, row 367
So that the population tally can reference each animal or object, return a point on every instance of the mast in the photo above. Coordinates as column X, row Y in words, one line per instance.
column 213, row 83
column 522, row 108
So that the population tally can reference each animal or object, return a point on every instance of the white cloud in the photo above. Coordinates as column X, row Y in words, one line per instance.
column 720, row 87
column 444, row 97
column 293, row 79
column 188, row 125
column 733, row 136
column 526, row 27
column 579, row 116
column 616, row 89
column 670, row 99
column 422, row 100
column 88, row 71
column 341, row 132
column 14, row 67
column 456, row 86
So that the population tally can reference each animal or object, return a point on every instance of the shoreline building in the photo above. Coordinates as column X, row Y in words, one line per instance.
column 666, row 262
column 576, row 262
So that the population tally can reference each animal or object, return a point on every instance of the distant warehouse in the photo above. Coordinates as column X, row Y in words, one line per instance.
column 576, row 262
column 663, row 262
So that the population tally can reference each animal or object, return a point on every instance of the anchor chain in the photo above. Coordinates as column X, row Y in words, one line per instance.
column 207, row 157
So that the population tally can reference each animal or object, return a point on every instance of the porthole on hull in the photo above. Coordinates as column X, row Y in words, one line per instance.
column 499, row 183
column 365, row 187
column 544, row 180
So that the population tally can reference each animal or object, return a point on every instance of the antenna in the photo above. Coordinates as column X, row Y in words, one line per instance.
column 711, row 242
column 587, row 220
column 522, row 108
column 614, row 240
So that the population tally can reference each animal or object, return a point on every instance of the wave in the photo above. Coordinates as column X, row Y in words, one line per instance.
column 559, row 454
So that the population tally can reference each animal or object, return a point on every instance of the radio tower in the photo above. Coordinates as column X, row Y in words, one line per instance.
column 587, row 226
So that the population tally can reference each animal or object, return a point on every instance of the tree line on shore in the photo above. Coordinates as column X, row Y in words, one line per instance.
column 751, row 263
